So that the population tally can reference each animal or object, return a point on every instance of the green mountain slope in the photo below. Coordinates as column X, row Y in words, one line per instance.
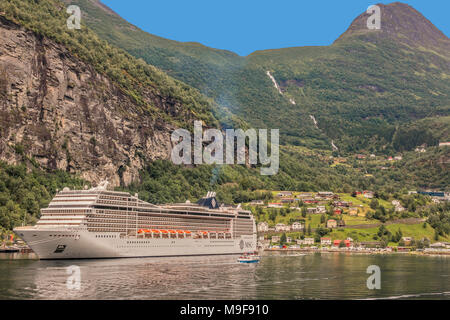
column 360, row 89
column 142, row 82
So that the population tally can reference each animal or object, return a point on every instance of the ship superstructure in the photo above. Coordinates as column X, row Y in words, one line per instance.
column 98, row 223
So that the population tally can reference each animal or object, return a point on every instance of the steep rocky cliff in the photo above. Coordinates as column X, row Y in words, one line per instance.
column 60, row 112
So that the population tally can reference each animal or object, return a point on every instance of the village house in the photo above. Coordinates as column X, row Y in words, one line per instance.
column 341, row 223
column 263, row 227
column 331, row 223
column 284, row 194
column 353, row 211
column 360, row 156
column 275, row 239
column 305, row 195
column 325, row 194
column 407, row 240
column 368, row 194
column 275, row 205
column 373, row 156
column 420, row 150
column 336, row 243
column 297, row 226
column 398, row 158
column 398, row 206
column 325, row 241
column 370, row 244
column 282, row 227
column 257, row 202
column 310, row 201
column 288, row 239
column 437, row 245
column 306, row 241
column 321, row 209
column 337, row 211
column 444, row 144
column 342, row 204
column 287, row 200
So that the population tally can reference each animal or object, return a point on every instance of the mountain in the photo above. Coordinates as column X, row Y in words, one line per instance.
column 75, row 109
column 360, row 90
column 70, row 101
column 402, row 23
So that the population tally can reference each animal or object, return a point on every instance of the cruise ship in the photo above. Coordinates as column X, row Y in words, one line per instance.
column 99, row 223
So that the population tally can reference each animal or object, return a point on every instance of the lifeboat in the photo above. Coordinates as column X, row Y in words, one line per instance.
column 155, row 231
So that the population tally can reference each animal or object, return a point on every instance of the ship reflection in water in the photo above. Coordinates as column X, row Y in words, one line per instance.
column 277, row 276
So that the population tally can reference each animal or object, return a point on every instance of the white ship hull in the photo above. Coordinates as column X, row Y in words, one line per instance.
column 73, row 243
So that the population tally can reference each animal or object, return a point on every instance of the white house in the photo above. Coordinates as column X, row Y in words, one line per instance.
column 308, row 241
column 282, row 227
column 321, row 209
column 275, row 238
column 297, row 226
column 275, row 205
column 368, row 194
column 398, row 206
column 325, row 241
column 284, row 194
column 263, row 227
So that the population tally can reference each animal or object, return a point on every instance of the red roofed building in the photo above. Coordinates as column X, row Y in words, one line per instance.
column 336, row 243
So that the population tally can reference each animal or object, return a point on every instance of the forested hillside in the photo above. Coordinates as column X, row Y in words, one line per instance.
column 361, row 89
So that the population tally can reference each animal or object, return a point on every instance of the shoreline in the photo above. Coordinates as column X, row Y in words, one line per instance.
column 374, row 252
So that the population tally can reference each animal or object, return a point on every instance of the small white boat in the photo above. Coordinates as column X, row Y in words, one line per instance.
column 249, row 258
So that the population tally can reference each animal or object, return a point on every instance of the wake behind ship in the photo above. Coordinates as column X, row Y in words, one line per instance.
column 99, row 223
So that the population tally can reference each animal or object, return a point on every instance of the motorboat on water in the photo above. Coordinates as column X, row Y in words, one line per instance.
column 249, row 258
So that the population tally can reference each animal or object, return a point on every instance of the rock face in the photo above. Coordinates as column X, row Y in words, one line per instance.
column 61, row 112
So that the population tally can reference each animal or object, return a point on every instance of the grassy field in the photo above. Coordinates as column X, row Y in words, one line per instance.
column 417, row 231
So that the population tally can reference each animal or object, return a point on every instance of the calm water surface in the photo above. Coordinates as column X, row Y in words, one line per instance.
column 277, row 276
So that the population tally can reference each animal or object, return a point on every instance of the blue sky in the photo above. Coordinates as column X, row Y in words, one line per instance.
column 248, row 25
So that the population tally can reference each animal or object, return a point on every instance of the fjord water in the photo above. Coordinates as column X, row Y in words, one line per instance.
column 277, row 276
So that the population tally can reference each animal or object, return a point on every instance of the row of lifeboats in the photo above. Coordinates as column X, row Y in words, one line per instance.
column 163, row 231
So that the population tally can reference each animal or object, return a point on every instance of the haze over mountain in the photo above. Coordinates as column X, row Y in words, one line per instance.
column 359, row 89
